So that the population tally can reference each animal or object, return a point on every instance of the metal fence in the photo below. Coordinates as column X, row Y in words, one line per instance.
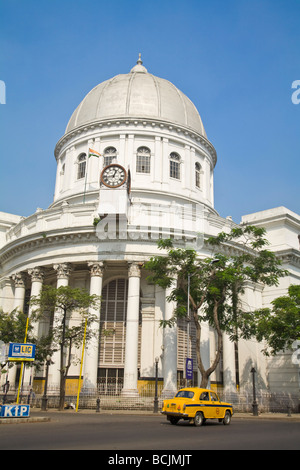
column 111, row 398
column 266, row 402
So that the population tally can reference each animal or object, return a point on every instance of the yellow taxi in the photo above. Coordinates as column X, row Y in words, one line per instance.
column 197, row 405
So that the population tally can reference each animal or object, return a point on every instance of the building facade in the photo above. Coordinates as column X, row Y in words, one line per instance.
column 133, row 166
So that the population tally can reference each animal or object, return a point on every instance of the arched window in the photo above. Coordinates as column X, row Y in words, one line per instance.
column 143, row 160
column 110, row 154
column 81, row 160
column 175, row 165
column 198, row 175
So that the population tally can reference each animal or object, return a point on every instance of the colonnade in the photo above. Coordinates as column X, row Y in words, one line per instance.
column 90, row 370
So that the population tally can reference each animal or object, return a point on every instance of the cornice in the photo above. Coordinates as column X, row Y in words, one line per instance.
column 39, row 240
column 290, row 256
column 273, row 216
column 135, row 122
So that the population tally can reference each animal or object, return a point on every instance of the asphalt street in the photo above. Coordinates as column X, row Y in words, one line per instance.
column 113, row 432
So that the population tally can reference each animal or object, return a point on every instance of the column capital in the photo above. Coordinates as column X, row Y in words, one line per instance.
column 19, row 279
column 36, row 274
column 63, row 270
column 6, row 281
column 96, row 268
column 134, row 269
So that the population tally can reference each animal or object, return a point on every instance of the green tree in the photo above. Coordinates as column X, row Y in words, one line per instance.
column 70, row 310
column 12, row 330
column 13, row 326
column 215, row 283
column 279, row 325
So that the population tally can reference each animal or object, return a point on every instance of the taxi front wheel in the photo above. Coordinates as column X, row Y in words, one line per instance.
column 227, row 418
column 199, row 419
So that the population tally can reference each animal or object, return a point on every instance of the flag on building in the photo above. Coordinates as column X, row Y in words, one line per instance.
column 93, row 153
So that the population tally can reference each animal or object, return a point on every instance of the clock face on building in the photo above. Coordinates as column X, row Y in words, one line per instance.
column 113, row 176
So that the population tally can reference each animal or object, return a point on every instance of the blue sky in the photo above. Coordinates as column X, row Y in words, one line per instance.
column 235, row 59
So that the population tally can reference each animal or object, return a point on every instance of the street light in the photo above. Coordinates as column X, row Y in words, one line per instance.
column 155, row 410
column 254, row 404
column 45, row 398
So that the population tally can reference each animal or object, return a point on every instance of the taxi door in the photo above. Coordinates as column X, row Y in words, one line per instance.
column 214, row 408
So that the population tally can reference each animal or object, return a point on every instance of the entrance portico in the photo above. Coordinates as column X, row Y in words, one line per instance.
column 122, row 342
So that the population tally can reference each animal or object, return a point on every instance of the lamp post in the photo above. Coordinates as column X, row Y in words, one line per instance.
column 45, row 398
column 155, row 410
column 188, row 324
column 254, row 404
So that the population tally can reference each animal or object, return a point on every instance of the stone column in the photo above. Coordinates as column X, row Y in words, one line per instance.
column 19, row 298
column 63, row 274
column 91, row 361
column 37, row 278
column 147, row 368
column 132, row 331
column 7, row 297
column 170, row 350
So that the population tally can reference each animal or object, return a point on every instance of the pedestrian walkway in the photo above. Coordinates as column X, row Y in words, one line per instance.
column 38, row 416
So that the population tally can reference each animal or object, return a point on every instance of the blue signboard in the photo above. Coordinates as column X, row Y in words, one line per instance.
column 14, row 411
column 189, row 368
column 21, row 352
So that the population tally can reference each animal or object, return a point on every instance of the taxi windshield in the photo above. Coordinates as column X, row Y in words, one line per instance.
column 185, row 394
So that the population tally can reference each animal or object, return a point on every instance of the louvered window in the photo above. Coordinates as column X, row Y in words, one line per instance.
column 182, row 346
column 113, row 323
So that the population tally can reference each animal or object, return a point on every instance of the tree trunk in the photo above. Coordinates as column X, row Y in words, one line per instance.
column 62, row 392
column 205, row 374
column 204, row 380
column 63, row 376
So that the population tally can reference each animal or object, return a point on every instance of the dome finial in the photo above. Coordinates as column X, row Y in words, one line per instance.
column 139, row 61
column 139, row 67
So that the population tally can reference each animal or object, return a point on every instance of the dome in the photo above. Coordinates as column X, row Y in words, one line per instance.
column 137, row 94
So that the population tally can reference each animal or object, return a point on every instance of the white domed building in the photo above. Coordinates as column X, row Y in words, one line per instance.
column 135, row 165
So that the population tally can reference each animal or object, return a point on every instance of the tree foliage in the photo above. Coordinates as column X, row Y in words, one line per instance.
column 215, row 283
column 13, row 326
column 12, row 330
column 279, row 325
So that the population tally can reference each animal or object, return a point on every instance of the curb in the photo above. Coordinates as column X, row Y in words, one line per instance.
column 48, row 418
column 37, row 419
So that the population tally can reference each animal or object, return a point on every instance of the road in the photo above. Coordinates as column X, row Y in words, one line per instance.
column 94, row 431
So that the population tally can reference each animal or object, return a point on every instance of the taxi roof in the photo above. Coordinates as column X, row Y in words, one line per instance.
column 195, row 389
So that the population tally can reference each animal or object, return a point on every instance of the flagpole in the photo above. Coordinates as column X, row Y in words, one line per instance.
column 91, row 153
column 82, row 355
column 86, row 171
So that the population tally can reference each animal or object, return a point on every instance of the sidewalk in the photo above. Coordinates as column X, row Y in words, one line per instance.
column 38, row 416
column 276, row 416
